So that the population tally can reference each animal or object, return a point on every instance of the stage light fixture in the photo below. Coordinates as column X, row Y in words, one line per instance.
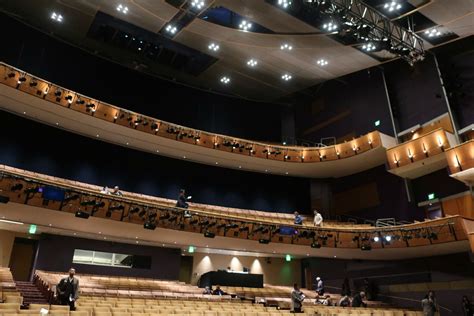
column 388, row 238
column 366, row 247
column 209, row 234
column 264, row 241
column 11, row 74
column 392, row 6
column 122, row 9
column 376, row 239
column 244, row 228
column 315, row 245
column 245, row 25
column 71, row 197
column 16, row 187
column 56, row 17
column 166, row 216
column 149, row 225
column 82, row 214
column 214, row 47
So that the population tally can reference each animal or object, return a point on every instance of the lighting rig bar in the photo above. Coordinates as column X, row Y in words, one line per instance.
column 353, row 15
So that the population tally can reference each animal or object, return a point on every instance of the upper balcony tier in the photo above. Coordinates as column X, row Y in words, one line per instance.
column 38, row 99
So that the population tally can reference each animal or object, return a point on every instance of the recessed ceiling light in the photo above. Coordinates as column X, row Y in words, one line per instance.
column 198, row 4
column 57, row 123
column 97, row 135
column 170, row 28
column 225, row 80
column 330, row 26
column 286, row 47
column 284, row 3
column 127, row 143
column 322, row 62
column 245, row 25
column 213, row 46
column 434, row 32
column 252, row 62
column 286, row 77
column 286, row 172
column 392, row 6
column 217, row 163
column 184, row 157
column 24, row 112
column 56, row 17
column 123, row 9
column 157, row 151
column 240, row 167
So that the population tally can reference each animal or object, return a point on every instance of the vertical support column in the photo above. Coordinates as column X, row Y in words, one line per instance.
column 395, row 133
column 446, row 99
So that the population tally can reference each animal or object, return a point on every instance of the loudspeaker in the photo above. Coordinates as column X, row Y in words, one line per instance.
column 4, row 199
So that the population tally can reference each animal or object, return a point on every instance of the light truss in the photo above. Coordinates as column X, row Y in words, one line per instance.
column 351, row 14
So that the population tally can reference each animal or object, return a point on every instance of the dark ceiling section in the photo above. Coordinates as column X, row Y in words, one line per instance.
column 228, row 18
column 149, row 47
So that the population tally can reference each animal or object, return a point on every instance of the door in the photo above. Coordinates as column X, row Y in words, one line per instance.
column 22, row 258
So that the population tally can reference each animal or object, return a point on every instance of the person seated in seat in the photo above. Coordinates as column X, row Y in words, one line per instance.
column 182, row 202
column 298, row 219
column 218, row 291
column 318, row 219
column 207, row 290
column 345, row 301
column 117, row 191
column 358, row 300
column 105, row 190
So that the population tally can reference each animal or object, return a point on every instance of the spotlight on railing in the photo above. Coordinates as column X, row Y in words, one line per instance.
column 82, row 214
column 16, row 187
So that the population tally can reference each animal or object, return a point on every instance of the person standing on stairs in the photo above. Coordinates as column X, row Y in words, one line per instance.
column 67, row 290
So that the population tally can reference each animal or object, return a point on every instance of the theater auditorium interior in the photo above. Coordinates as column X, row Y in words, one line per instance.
column 236, row 157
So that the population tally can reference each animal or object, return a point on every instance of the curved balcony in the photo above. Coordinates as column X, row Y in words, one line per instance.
column 29, row 96
column 245, row 230
column 461, row 162
column 421, row 155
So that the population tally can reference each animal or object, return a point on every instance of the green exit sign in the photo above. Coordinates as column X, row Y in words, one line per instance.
column 377, row 123
column 431, row 196
column 32, row 229
column 288, row 258
column 191, row 249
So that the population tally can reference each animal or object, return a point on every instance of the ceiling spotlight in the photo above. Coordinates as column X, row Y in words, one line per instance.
column 252, row 63
column 286, row 47
column 392, row 6
column 122, row 8
column 286, row 77
column 197, row 4
column 225, row 80
column 245, row 26
column 434, row 32
column 376, row 238
column 330, row 26
column 284, row 3
column 170, row 28
column 368, row 47
column 213, row 47
column 388, row 238
column 56, row 17
column 322, row 62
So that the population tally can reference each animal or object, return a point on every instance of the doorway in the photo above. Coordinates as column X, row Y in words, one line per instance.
column 22, row 258
column 186, row 269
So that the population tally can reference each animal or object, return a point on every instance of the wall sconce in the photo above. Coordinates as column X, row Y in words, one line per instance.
column 302, row 158
column 458, row 162
column 45, row 91
column 396, row 161
column 425, row 151
column 370, row 143
column 355, row 149
column 410, row 155
column 338, row 154
column 440, row 143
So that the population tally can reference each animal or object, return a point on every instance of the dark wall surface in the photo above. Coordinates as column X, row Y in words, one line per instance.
column 438, row 182
column 33, row 146
column 55, row 253
column 75, row 69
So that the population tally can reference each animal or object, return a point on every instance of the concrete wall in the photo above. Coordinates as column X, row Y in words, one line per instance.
column 6, row 244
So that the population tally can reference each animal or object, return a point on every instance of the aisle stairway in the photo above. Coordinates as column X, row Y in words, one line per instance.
column 31, row 294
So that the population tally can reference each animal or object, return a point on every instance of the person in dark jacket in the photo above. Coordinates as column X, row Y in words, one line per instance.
column 182, row 202
column 67, row 290
column 358, row 300
column 467, row 307
column 346, row 288
column 429, row 304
